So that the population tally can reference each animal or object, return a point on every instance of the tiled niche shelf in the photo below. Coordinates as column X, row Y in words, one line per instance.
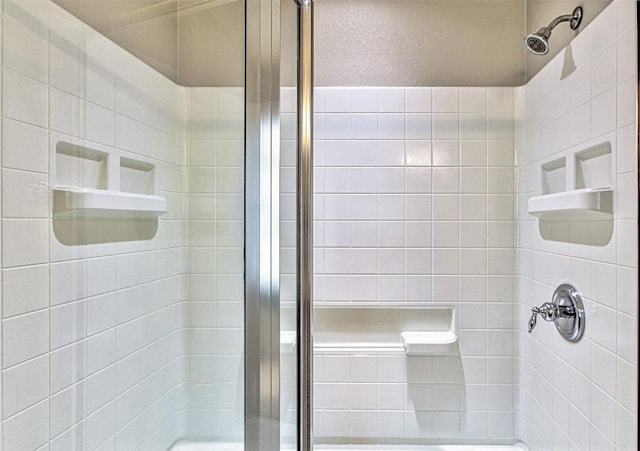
column 369, row 328
column 576, row 187
column 93, row 183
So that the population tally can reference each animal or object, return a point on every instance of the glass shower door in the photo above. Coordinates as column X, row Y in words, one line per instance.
column 122, row 224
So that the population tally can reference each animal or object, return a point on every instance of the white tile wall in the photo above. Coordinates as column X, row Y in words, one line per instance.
column 216, row 240
column 596, row 102
column 414, row 202
column 79, row 351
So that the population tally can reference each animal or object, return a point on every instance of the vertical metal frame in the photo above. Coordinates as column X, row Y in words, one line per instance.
column 262, row 194
column 638, row 193
column 262, row 247
column 304, row 227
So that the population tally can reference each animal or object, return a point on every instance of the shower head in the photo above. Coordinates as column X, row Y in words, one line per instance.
column 538, row 42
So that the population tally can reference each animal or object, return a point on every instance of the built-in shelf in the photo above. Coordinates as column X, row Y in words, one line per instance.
column 411, row 329
column 442, row 342
column 95, row 203
column 578, row 205
column 576, row 186
column 104, row 183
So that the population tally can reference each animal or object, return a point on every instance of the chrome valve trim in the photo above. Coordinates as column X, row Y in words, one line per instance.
column 566, row 310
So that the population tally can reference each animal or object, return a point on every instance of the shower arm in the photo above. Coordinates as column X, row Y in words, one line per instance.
column 558, row 20
column 574, row 19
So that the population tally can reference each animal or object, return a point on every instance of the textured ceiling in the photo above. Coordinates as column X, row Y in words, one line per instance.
column 407, row 43
column 357, row 42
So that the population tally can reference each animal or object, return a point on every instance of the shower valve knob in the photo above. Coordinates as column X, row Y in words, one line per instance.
column 566, row 310
column 533, row 320
column 547, row 311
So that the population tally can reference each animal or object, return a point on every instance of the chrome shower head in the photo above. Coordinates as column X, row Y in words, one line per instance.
column 538, row 42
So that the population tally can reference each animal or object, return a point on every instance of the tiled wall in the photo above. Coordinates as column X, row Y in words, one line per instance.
column 414, row 202
column 93, row 312
column 216, row 240
column 583, row 395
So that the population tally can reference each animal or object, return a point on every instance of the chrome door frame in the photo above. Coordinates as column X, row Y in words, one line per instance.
column 304, row 227
column 262, row 226
column 262, row 223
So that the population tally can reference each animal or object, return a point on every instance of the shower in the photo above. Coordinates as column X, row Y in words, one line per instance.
column 538, row 42
column 318, row 225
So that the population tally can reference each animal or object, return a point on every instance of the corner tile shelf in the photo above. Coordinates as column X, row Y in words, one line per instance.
column 576, row 187
column 102, row 183
column 369, row 328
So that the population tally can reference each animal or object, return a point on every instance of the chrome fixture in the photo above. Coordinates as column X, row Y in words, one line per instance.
column 304, row 226
column 262, row 221
column 566, row 310
column 538, row 42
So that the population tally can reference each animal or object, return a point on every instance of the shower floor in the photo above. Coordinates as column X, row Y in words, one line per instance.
column 210, row 446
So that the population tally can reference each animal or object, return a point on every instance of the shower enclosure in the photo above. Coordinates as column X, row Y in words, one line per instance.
column 272, row 225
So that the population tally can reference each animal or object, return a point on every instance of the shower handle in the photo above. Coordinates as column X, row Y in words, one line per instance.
column 566, row 310
column 547, row 311
column 550, row 312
